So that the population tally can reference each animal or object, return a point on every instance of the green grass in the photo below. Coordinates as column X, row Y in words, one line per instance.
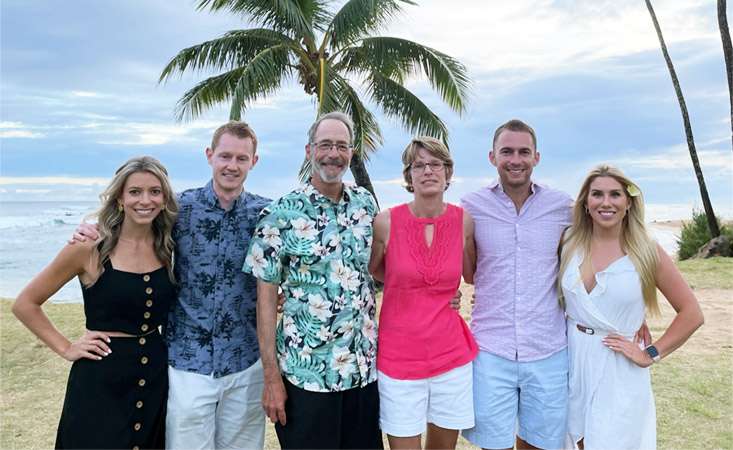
column 715, row 273
column 694, row 400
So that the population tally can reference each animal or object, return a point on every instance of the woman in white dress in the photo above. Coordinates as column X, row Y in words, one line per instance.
column 610, row 270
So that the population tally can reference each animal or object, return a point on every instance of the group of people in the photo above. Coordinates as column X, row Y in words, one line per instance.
column 184, row 348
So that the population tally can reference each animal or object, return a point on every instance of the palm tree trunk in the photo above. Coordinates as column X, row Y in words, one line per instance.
column 727, row 54
column 361, row 176
column 712, row 221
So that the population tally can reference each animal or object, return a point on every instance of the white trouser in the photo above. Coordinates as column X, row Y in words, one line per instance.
column 215, row 413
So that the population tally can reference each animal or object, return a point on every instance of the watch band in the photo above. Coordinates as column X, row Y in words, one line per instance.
column 653, row 353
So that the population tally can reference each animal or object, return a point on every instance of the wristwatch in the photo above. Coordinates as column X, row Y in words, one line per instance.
column 653, row 353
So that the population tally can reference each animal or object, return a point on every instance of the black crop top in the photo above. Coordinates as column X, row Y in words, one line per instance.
column 133, row 303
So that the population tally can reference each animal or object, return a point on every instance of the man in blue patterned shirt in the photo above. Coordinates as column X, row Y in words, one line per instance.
column 314, row 243
column 215, row 372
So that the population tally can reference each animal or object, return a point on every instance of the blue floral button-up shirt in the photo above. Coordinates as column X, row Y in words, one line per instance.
column 212, row 325
column 318, row 251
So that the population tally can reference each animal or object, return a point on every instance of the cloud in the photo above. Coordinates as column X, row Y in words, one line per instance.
column 17, row 130
column 20, row 134
column 85, row 94
column 677, row 157
column 135, row 133
column 531, row 38
column 392, row 181
column 61, row 180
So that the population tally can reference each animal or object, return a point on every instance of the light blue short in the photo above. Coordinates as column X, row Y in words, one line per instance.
column 534, row 393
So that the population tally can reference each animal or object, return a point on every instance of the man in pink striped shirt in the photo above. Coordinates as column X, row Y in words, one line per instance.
column 521, row 373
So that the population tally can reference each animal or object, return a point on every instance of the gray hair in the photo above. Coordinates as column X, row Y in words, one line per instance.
column 334, row 115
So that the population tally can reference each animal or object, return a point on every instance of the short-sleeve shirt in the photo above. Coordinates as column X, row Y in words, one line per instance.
column 212, row 325
column 318, row 251
column 517, row 315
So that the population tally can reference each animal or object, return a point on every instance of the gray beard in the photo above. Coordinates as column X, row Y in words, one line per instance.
column 324, row 176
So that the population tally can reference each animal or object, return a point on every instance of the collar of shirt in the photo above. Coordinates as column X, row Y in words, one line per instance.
column 212, row 200
column 496, row 186
column 316, row 195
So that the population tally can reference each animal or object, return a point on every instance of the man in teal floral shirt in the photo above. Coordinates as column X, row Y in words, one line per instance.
column 314, row 243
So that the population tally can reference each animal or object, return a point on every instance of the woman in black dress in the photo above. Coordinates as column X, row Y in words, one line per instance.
column 117, row 387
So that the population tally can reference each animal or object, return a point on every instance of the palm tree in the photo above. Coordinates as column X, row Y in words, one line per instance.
column 712, row 221
column 327, row 53
column 727, row 54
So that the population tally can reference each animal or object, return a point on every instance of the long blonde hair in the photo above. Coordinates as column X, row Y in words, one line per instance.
column 110, row 218
column 635, row 241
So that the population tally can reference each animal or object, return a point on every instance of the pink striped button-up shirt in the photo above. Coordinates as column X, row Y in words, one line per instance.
column 516, row 315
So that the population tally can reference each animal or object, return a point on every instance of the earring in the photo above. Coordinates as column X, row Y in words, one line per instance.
column 587, row 211
column 120, row 208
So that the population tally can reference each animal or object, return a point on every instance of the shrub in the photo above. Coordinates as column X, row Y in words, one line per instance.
column 695, row 234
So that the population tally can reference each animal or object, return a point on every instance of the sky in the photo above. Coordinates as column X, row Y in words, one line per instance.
column 79, row 94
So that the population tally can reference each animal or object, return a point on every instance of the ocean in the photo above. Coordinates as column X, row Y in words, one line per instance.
column 32, row 233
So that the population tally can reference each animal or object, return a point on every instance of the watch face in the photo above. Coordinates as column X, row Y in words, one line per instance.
column 652, row 351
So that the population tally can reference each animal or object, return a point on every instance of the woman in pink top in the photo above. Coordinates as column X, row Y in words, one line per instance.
column 420, row 250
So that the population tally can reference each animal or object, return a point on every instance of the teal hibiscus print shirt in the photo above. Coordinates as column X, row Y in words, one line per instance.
column 318, row 251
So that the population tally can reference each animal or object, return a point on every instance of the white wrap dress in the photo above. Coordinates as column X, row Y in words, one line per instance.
column 611, row 405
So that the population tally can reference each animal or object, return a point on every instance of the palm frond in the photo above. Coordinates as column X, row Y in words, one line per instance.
column 398, row 102
column 359, row 18
column 400, row 58
column 234, row 49
column 316, row 12
column 261, row 77
column 367, row 135
column 285, row 16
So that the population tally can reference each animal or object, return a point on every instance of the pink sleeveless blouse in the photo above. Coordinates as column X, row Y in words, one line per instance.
column 420, row 335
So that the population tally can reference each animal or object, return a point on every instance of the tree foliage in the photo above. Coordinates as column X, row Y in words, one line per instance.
column 696, row 233
column 333, row 55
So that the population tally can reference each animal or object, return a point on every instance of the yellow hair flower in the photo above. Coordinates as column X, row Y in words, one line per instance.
column 633, row 190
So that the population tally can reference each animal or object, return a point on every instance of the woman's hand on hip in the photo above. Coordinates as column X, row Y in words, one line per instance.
column 92, row 345
column 629, row 349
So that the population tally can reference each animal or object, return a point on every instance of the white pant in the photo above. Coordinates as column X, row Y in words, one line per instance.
column 215, row 413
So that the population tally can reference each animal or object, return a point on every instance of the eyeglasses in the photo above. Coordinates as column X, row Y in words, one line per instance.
column 325, row 146
column 435, row 166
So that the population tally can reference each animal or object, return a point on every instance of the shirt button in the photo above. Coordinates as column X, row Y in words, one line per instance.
column 144, row 360
column 141, row 341
column 146, row 315
column 146, row 278
column 144, row 327
column 149, row 290
column 137, row 426
column 139, row 404
column 149, row 303
column 141, row 382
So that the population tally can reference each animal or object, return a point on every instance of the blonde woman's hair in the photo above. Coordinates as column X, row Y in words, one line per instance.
column 635, row 241
column 435, row 148
column 110, row 218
